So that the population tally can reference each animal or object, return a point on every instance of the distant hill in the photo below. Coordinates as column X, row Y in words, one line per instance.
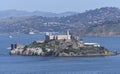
column 16, row 13
column 98, row 22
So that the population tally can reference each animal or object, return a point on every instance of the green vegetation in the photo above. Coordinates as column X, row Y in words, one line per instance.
column 99, row 22
column 68, row 47
column 86, row 50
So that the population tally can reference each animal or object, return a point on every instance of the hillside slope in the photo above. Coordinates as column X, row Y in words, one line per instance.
column 99, row 22
column 16, row 13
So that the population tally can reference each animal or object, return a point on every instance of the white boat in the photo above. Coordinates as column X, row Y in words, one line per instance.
column 31, row 32
column 10, row 36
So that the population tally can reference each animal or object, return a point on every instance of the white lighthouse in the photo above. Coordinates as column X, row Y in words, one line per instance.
column 68, row 35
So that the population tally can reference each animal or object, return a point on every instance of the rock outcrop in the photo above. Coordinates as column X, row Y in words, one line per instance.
column 59, row 48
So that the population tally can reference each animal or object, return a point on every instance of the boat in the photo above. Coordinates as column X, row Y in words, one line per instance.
column 31, row 32
column 10, row 36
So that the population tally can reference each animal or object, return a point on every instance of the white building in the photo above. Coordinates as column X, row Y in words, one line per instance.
column 58, row 37
column 92, row 44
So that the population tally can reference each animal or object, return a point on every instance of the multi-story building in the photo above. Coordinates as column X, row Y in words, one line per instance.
column 58, row 37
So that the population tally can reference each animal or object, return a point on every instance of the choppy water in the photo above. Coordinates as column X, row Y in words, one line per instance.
column 58, row 65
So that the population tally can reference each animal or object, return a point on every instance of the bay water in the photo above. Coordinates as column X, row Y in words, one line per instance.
column 14, row 64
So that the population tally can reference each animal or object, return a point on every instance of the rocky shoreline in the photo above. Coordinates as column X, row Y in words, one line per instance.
column 60, row 48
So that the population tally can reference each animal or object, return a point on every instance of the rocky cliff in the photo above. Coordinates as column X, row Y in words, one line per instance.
column 59, row 48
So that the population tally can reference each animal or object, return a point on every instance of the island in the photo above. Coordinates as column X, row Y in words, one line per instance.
column 60, row 45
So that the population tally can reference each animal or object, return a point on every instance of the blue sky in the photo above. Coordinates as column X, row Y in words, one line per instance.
column 57, row 6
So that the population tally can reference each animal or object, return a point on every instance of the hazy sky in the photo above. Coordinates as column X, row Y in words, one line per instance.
column 57, row 5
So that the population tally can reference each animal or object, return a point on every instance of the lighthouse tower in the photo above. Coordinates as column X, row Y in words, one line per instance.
column 68, row 35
